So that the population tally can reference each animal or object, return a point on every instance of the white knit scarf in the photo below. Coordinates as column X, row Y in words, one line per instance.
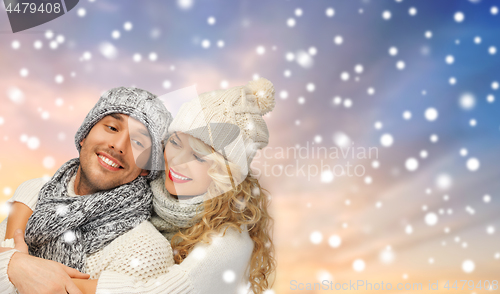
column 170, row 215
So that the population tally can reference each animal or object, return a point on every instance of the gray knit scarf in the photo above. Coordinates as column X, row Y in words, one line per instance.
column 170, row 215
column 65, row 228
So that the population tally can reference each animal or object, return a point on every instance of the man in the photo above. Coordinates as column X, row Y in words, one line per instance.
column 118, row 141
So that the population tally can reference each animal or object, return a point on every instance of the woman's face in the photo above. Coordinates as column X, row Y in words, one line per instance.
column 186, row 170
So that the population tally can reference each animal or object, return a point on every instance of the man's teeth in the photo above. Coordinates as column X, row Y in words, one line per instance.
column 179, row 177
column 109, row 162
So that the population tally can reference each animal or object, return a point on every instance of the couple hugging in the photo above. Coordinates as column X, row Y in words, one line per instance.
column 112, row 221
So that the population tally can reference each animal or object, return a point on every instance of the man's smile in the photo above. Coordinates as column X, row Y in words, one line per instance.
column 108, row 162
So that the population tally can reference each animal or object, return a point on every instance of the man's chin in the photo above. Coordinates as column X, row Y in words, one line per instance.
column 101, row 182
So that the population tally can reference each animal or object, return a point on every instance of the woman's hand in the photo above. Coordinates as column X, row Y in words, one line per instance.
column 31, row 274
column 86, row 286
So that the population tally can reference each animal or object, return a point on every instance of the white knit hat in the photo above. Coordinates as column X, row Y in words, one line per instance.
column 230, row 121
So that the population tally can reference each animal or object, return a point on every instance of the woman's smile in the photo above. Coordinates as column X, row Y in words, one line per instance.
column 180, row 157
column 177, row 177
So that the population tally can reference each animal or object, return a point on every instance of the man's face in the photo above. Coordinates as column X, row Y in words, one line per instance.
column 109, row 152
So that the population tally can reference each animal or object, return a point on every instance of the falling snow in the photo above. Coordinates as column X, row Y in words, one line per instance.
column 386, row 140
column 362, row 109
column 316, row 237
column 411, row 164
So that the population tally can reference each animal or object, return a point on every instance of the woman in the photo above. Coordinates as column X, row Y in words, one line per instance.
column 207, row 203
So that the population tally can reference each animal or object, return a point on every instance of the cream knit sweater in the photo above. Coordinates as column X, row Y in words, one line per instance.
column 141, row 260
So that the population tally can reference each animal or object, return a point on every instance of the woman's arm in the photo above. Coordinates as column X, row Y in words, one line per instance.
column 86, row 286
column 18, row 218
column 141, row 253
column 215, row 268
column 32, row 274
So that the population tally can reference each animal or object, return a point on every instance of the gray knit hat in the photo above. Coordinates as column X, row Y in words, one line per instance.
column 138, row 104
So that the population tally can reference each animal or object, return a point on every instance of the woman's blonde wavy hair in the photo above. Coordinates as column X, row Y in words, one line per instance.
column 228, row 207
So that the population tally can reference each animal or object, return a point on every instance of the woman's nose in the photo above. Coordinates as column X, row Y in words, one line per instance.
column 180, row 158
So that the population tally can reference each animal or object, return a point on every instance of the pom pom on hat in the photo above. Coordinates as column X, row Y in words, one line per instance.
column 263, row 90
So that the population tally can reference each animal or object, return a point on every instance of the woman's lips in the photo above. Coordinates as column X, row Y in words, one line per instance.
column 177, row 178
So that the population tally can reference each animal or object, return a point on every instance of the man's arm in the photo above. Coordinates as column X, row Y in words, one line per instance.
column 18, row 218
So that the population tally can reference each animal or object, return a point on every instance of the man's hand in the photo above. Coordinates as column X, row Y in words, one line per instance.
column 31, row 274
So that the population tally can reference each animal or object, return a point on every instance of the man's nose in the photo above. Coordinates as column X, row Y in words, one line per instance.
column 119, row 142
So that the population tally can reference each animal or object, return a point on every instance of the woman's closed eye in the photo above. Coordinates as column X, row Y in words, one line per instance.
column 172, row 140
column 198, row 158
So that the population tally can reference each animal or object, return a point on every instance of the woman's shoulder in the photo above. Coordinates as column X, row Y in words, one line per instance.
column 233, row 233
column 228, row 239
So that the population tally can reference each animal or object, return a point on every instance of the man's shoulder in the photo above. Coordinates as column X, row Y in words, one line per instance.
column 28, row 191
column 33, row 184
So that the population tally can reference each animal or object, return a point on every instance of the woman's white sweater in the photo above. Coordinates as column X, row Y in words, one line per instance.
column 141, row 260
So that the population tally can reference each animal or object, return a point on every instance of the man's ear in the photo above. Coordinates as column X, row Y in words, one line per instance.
column 144, row 172
column 81, row 142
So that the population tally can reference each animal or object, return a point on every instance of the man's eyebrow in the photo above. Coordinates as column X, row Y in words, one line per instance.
column 116, row 116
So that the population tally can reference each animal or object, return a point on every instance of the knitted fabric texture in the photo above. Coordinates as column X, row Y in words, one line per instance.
column 170, row 215
column 64, row 228
column 138, row 104
column 133, row 264
column 141, row 254
column 210, row 117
